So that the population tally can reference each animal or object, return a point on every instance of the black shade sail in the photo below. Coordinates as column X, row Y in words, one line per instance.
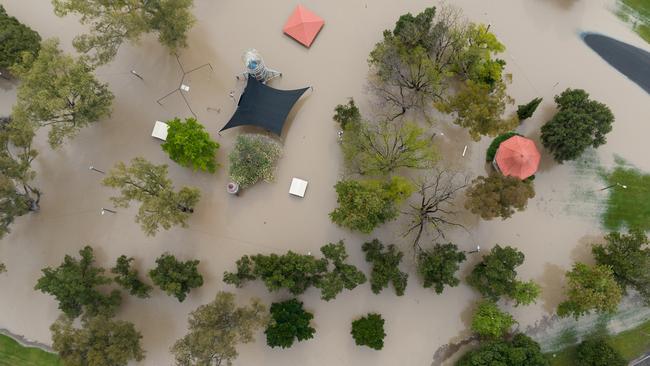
column 263, row 106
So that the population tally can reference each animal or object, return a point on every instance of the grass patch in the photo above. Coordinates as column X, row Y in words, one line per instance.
column 627, row 207
column 637, row 14
column 630, row 343
column 14, row 354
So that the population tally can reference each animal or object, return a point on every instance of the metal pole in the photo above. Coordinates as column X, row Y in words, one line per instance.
column 137, row 75
column 478, row 249
column 97, row 170
column 614, row 185
column 105, row 210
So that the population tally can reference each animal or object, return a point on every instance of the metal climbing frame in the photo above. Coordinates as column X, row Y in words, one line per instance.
column 182, row 87
column 256, row 68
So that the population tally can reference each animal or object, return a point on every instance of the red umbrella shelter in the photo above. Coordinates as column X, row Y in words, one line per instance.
column 303, row 25
column 517, row 157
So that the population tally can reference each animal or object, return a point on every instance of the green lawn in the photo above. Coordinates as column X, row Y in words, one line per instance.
column 13, row 354
column 636, row 13
column 627, row 207
column 631, row 344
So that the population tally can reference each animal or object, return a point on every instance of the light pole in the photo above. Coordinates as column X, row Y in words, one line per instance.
column 614, row 185
column 105, row 210
column 478, row 249
column 96, row 170
column 137, row 75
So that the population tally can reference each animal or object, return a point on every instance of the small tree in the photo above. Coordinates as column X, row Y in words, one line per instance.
column 148, row 183
column 100, row 341
column 495, row 276
column 347, row 114
column 364, row 205
column 526, row 111
column 75, row 284
column 289, row 321
column 215, row 330
column 437, row 267
column 369, row 331
column 520, row 351
column 629, row 258
column 595, row 351
column 58, row 91
column 174, row 277
column 479, row 107
column 342, row 276
column 385, row 267
column 295, row 272
column 590, row 288
column 189, row 145
column 111, row 23
column 127, row 277
column 490, row 322
column 16, row 39
column 578, row 124
column 253, row 159
column 498, row 196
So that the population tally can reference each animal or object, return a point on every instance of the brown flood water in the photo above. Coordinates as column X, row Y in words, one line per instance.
column 544, row 54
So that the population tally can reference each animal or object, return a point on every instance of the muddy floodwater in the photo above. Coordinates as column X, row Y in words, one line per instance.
column 545, row 55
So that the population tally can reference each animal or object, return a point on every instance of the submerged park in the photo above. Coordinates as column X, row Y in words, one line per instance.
column 194, row 182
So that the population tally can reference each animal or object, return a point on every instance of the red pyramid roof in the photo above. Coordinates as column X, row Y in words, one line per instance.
column 303, row 25
column 518, row 157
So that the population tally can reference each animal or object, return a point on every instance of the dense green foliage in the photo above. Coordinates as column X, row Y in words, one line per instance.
column 498, row 196
column 148, row 183
column 113, row 22
column 60, row 92
column 347, row 114
column 437, row 266
column 215, row 330
column 75, row 284
column 627, row 207
column 289, row 321
column 342, row 276
column 189, row 145
column 364, row 205
column 127, row 277
column 253, row 159
column 369, row 331
column 590, row 288
column 494, row 145
column 495, row 276
column 13, row 353
column 100, row 341
column 629, row 258
column 385, row 267
column 579, row 123
column 597, row 352
column 525, row 111
column 174, row 277
column 490, row 322
column 520, row 351
column 16, row 39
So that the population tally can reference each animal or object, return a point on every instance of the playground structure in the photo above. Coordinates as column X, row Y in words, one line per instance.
column 256, row 68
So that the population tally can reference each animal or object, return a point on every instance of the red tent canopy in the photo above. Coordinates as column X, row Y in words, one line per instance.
column 518, row 157
column 303, row 25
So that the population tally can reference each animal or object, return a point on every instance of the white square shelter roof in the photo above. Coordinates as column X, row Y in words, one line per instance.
column 160, row 130
column 298, row 187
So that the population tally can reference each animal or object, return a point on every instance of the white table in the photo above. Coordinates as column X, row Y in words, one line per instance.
column 298, row 187
column 160, row 130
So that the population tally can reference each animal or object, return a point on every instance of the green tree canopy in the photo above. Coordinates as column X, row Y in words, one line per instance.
column 385, row 267
column 58, row 91
column 100, row 341
column 127, row 277
column 148, row 183
column 520, row 351
column 369, row 331
column 490, row 322
column 437, row 266
column 479, row 107
column 253, row 159
column 364, row 205
column 190, row 146
column 342, row 276
column 16, row 39
column 215, row 330
column 495, row 276
column 289, row 321
column 498, row 196
column 526, row 111
column 113, row 22
column 347, row 114
column 175, row 277
column 579, row 123
column 629, row 258
column 595, row 351
column 590, row 288
column 494, row 145
column 75, row 284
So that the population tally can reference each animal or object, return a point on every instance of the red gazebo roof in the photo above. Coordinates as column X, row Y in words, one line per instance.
column 303, row 25
column 518, row 157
